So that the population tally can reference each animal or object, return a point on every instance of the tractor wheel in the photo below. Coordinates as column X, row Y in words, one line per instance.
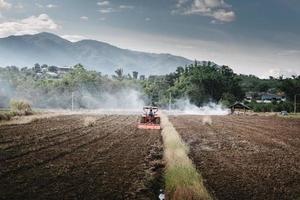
column 157, row 121
column 143, row 120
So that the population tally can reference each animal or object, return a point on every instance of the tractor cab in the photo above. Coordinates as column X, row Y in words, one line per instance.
column 150, row 118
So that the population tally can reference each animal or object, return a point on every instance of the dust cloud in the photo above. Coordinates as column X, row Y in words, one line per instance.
column 124, row 98
column 206, row 120
column 185, row 107
column 89, row 121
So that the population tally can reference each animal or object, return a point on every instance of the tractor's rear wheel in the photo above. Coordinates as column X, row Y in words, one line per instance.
column 143, row 120
column 157, row 121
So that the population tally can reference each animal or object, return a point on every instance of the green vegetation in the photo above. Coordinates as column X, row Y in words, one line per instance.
column 182, row 181
column 6, row 115
column 291, row 116
column 271, row 107
column 199, row 82
column 21, row 107
column 17, row 108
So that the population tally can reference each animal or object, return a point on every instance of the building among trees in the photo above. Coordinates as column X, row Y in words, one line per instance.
column 239, row 107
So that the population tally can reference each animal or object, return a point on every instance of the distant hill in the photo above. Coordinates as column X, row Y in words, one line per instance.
column 48, row 48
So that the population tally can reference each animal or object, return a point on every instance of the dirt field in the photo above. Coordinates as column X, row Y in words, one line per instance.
column 245, row 157
column 74, row 157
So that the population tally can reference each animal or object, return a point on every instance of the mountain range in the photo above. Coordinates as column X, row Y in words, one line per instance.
column 50, row 49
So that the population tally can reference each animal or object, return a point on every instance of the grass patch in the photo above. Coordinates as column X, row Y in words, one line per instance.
column 21, row 107
column 17, row 108
column 6, row 115
column 89, row 121
column 182, row 181
column 291, row 115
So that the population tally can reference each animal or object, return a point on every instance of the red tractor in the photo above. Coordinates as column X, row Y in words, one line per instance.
column 150, row 118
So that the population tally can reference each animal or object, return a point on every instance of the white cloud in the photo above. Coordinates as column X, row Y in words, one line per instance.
column 4, row 5
column 276, row 72
column 217, row 9
column 126, row 7
column 45, row 6
column 30, row 25
column 223, row 15
column 147, row 19
column 51, row 6
column 84, row 18
column 180, row 3
column 102, row 18
column 106, row 10
column 103, row 3
column 74, row 38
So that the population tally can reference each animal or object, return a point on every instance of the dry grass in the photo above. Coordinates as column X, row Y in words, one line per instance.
column 20, row 107
column 182, row 181
column 7, row 115
column 291, row 115
column 89, row 121
column 29, row 118
column 207, row 120
column 17, row 108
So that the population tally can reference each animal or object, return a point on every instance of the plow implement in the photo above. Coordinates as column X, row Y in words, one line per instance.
column 149, row 126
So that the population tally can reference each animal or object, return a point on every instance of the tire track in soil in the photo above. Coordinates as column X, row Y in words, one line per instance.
column 16, row 129
column 264, row 137
column 41, row 152
column 41, row 130
column 40, row 138
column 238, row 136
column 81, row 168
column 62, row 157
column 94, row 160
column 268, row 136
column 38, row 128
column 41, row 145
column 36, row 150
column 231, row 173
column 267, row 124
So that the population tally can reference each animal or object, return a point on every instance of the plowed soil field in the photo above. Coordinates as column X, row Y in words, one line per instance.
column 245, row 157
column 80, row 157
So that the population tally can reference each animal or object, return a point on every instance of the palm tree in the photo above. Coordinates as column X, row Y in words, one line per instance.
column 119, row 74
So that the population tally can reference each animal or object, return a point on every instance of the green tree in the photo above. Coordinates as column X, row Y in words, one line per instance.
column 135, row 75
column 119, row 74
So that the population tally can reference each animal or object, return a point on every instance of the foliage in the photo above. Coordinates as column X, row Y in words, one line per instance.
column 6, row 115
column 21, row 107
column 271, row 107
column 204, row 83
column 291, row 86
column 182, row 181
column 200, row 82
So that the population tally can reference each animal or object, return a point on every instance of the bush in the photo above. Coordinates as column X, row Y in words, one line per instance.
column 5, row 116
column 20, row 107
column 271, row 107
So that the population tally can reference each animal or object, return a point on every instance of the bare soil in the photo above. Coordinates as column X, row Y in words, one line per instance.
column 245, row 157
column 64, row 157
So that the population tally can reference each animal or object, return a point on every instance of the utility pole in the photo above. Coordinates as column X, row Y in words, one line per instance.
column 295, row 103
column 170, row 101
column 72, row 101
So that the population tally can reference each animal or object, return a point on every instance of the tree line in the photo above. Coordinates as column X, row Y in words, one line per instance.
column 199, row 82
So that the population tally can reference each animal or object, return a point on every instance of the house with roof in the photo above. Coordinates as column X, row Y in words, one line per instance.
column 264, row 97
column 239, row 107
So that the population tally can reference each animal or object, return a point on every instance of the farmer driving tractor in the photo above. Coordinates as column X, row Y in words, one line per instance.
column 151, row 115
column 150, row 118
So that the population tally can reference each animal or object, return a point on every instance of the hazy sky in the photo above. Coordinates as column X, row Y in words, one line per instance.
column 260, row 37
